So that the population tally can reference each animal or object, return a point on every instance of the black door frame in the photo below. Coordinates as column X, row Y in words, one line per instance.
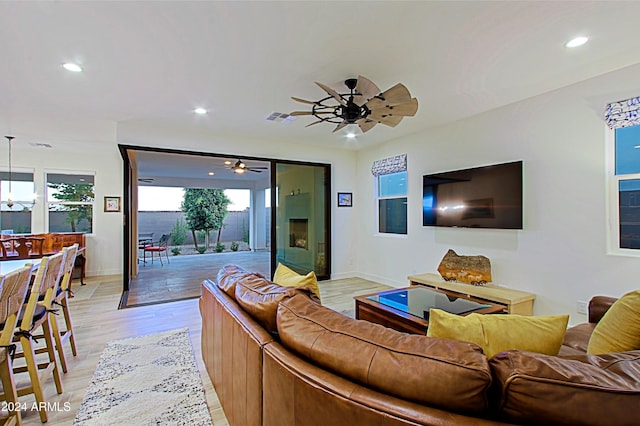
column 123, row 148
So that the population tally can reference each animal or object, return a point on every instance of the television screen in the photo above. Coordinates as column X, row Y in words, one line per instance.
column 481, row 197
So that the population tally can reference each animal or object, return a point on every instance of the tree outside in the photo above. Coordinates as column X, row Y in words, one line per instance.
column 73, row 197
column 205, row 210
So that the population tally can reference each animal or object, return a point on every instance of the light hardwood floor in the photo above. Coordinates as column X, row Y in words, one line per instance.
column 98, row 321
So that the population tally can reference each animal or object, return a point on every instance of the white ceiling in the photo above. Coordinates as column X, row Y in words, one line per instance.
column 154, row 61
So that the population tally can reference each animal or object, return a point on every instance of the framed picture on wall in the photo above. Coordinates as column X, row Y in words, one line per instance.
column 111, row 204
column 345, row 199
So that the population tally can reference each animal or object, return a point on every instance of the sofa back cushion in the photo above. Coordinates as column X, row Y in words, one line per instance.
column 581, row 389
column 227, row 277
column 259, row 297
column 444, row 373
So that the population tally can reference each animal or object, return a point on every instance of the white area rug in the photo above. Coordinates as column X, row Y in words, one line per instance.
column 83, row 292
column 147, row 380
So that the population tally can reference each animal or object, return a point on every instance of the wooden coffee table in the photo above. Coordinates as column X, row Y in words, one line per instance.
column 406, row 309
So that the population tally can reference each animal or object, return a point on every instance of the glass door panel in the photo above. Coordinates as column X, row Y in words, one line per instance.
column 302, row 218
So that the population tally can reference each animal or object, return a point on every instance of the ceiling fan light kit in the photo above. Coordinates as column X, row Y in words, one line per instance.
column 364, row 105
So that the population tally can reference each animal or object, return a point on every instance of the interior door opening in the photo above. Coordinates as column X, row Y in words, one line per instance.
column 249, row 237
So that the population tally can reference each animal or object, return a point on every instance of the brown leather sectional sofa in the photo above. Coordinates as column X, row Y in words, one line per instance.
column 277, row 357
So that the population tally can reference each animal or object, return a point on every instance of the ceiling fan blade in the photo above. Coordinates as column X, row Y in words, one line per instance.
column 366, row 125
column 315, row 122
column 397, row 95
column 252, row 169
column 310, row 112
column 304, row 101
column 408, row 109
column 340, row 126
column 389, row 120
column 367, row 90
column 332, row 92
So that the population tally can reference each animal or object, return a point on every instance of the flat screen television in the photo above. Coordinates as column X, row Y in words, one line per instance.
column 481, row 197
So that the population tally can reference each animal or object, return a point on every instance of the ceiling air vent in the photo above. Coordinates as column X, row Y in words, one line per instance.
column 41, row 145
column 280, row 117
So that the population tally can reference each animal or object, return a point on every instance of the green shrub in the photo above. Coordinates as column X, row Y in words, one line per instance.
column 235, row 246
column 179, row 232
column 175, row 251
column 220, row 247
column 201, row 249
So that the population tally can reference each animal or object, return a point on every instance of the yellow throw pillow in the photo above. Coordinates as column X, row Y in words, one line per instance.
column 498, row 333
column 289, row 278
column 619, row 329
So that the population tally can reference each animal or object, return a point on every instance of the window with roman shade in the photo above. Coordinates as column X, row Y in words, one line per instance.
column 391, row 194
column 624, row 120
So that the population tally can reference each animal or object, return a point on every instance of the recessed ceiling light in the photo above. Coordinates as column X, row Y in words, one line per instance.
column 211, row 173
column 578, row 41
column 200, row 111
column 227, row 162
column 351, row 135
column 70, row 66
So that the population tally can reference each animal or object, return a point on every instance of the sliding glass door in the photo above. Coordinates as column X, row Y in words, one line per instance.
column 301, row 223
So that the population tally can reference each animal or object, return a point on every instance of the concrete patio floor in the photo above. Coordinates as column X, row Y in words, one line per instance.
column 181, row 277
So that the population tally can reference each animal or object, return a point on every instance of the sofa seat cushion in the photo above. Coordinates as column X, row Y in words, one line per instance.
column 585, row 389
column 619, row 328
column 259, row 297
column 287, row 277
column 497, row 333
column 437, row 372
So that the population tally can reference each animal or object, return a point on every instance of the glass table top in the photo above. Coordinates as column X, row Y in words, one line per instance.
column 418, row 300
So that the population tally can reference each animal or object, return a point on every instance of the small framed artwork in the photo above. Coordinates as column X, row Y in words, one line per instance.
column 111, row 204
column 345, row 199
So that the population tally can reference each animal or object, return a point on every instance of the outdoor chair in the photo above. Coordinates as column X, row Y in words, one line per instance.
column 144, row 239
column 14, row 288
column 158, row 247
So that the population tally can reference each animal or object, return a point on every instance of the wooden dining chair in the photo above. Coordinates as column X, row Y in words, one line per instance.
column 14, row 288
column 37, row 317
column 61, row 300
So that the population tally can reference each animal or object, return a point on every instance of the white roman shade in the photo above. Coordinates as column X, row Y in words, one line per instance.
column 389, row 165
column 623, row 113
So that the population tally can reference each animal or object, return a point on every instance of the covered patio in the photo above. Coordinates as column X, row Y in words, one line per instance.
column 180, row 278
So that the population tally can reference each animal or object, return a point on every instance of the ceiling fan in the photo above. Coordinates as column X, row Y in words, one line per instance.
column 364, row 105
column 240, row 167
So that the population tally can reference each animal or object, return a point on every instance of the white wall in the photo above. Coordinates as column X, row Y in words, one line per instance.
column 561, row 253
column 76, row 146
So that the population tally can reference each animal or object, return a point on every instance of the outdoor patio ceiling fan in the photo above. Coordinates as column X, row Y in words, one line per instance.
column 364, row 105
column 240, row 167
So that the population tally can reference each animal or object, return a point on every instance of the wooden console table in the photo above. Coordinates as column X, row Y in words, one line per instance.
column 514, row 301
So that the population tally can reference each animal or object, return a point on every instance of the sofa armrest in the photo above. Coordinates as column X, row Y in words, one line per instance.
column 598, row 306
